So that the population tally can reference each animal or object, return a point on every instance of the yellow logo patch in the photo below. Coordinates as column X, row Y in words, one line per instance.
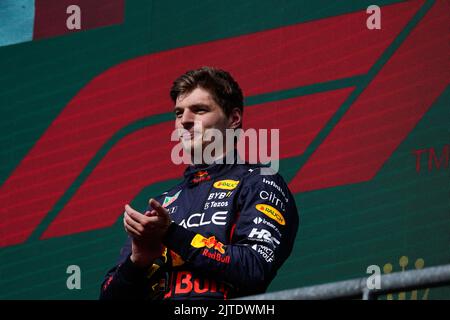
column 176, row 259
column 271, row 212
column 200, row 241
column 226, row 184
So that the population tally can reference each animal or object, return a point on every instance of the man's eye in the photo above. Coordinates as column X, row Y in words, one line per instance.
column 178, row 114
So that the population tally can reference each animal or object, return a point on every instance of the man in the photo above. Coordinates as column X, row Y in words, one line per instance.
column 225, row 230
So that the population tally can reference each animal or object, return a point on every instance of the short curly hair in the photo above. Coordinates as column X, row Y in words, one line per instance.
column 220, row 84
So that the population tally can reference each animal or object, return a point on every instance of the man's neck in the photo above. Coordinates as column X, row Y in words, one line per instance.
column 222, row 158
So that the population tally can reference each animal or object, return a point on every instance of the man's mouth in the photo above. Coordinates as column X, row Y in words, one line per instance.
column 189, row 135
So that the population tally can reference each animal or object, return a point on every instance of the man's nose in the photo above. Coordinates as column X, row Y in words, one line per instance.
column 187, row 119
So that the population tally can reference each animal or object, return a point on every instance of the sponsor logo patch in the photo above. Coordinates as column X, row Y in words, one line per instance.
column 215, row 204
column 176, row 259
column 273, row 184
column 173, row 209
column 271, row 212
column 265, row 252
column 226, row 184
column 169, row 200
column 259, row 220
column 219, row 195
column 272, row 198
column 198, row 219
column 186, row 283
column 263, row 235
column 200, row 177
column 200, row 241
column 216, row 256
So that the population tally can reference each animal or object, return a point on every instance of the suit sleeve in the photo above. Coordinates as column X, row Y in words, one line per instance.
column 125, row 280
column 262, row 238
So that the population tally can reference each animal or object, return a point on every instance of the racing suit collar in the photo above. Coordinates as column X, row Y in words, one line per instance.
column 204, row 172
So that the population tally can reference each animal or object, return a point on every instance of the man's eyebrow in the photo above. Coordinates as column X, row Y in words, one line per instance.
column 199, row 105
column 196, row 105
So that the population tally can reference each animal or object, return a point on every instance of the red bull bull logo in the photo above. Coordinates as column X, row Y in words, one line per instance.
column 200, row 241
column 201, row 176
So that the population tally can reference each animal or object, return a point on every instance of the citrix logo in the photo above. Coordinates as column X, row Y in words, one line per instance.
column 272, row 198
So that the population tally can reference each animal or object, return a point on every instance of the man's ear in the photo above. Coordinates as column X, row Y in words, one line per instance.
column 235, row 119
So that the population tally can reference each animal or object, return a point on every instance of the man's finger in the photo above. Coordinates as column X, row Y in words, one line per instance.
column 150, row 213
column 129, row 209
column 135, row 225
column 130, row 230
column 160, row 210
column 135, row 215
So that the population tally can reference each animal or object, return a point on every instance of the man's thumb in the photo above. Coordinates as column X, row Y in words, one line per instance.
column 160, row 210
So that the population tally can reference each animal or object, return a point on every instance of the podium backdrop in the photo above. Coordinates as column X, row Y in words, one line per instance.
column 85, row 123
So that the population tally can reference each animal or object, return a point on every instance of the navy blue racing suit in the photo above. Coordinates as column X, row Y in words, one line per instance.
column 232, row 230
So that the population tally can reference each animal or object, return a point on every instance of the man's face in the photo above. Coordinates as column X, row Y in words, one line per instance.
column 196, row 112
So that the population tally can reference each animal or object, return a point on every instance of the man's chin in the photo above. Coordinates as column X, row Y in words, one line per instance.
column 194, row 150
